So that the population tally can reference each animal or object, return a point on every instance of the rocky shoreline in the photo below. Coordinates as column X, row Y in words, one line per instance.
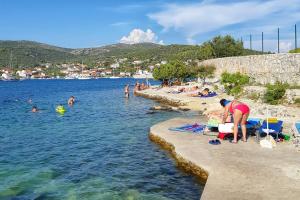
column 289, row 114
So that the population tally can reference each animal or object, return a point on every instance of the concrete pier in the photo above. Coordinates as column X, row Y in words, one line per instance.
column 233, row 171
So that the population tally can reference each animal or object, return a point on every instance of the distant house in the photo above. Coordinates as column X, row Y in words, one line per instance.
column 123, row 74
column 115, row 65
column 137, row 62
column 108, row 72
column 22, row 74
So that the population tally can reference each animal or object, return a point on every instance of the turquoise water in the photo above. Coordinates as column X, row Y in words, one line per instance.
column 99, row 149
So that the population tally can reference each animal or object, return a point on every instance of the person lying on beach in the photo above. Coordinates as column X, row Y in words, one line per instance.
column 203, row 93
column 186, row 89
column 71, row 101
column 240, row 112
column 34, row 109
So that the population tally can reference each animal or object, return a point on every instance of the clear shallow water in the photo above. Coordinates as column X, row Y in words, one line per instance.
column 98, row 150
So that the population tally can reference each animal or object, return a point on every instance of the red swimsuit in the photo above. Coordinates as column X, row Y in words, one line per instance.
column 241, row 107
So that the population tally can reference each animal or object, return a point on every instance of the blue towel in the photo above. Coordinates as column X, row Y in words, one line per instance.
column 195, row 128
column 212, row 94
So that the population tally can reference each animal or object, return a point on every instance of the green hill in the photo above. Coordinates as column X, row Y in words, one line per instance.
column 28, row 53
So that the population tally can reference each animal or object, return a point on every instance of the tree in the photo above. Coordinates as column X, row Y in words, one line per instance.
column 226, row 46
column 174, row 70
column 204, row 71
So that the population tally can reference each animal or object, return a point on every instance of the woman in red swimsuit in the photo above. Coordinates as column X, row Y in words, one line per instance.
column 240, row 112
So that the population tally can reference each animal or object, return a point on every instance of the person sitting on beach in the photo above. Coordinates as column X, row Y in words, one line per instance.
column 126, row 91
column 34, row 109
column 71, row 101
column 240, row 112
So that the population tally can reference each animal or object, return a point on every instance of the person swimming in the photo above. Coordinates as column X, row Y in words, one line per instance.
column 71, row 100
column 34, row 109
column 126, row 91
column 240, row 112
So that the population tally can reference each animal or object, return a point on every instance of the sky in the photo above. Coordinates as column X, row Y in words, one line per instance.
column 93, row 23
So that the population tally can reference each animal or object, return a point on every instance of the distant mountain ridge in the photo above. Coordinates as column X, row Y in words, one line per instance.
column 30, row 53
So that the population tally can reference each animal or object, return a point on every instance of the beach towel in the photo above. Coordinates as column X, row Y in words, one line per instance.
column 274, row 128
column 212, row 94
column 194, row 128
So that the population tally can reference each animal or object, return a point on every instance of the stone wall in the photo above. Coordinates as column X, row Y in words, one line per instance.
column 262, row 68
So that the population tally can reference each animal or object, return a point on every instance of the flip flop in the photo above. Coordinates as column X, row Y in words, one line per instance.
column 214, row 142
column 231, row 141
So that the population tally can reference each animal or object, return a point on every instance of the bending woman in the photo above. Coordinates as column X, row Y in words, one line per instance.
column 240, row 112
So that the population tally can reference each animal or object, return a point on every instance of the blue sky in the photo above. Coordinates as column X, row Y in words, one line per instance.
column 91, row 23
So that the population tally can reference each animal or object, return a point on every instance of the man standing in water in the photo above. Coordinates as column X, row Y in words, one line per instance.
column 126, row 91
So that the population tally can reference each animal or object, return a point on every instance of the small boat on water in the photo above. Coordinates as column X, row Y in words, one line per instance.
column 114, row 77
column 7, row 77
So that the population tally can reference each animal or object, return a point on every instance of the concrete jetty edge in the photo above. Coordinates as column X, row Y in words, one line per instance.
column 186, row 165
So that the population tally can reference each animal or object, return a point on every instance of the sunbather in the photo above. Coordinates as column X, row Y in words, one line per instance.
column 240, row 112
column 203, row 93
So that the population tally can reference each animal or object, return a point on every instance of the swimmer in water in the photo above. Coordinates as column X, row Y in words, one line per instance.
column 34, row 109
column 126, row 91
column 71, row 101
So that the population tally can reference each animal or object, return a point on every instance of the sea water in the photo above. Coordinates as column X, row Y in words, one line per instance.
column 99, row 149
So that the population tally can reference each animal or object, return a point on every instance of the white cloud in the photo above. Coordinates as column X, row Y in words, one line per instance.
column 198, row 18
column 120, row 24
column 140, row 36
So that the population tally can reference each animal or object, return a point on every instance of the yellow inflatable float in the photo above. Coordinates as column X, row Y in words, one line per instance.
column 60, row 109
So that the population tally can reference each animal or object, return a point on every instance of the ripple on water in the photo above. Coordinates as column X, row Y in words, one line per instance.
column 98, row 150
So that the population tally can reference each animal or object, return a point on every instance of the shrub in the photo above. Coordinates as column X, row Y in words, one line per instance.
column 295, row 50
column 253, row 96
column 297, row 101
column 234, row 82
column 216, row 87
column 275, row 93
